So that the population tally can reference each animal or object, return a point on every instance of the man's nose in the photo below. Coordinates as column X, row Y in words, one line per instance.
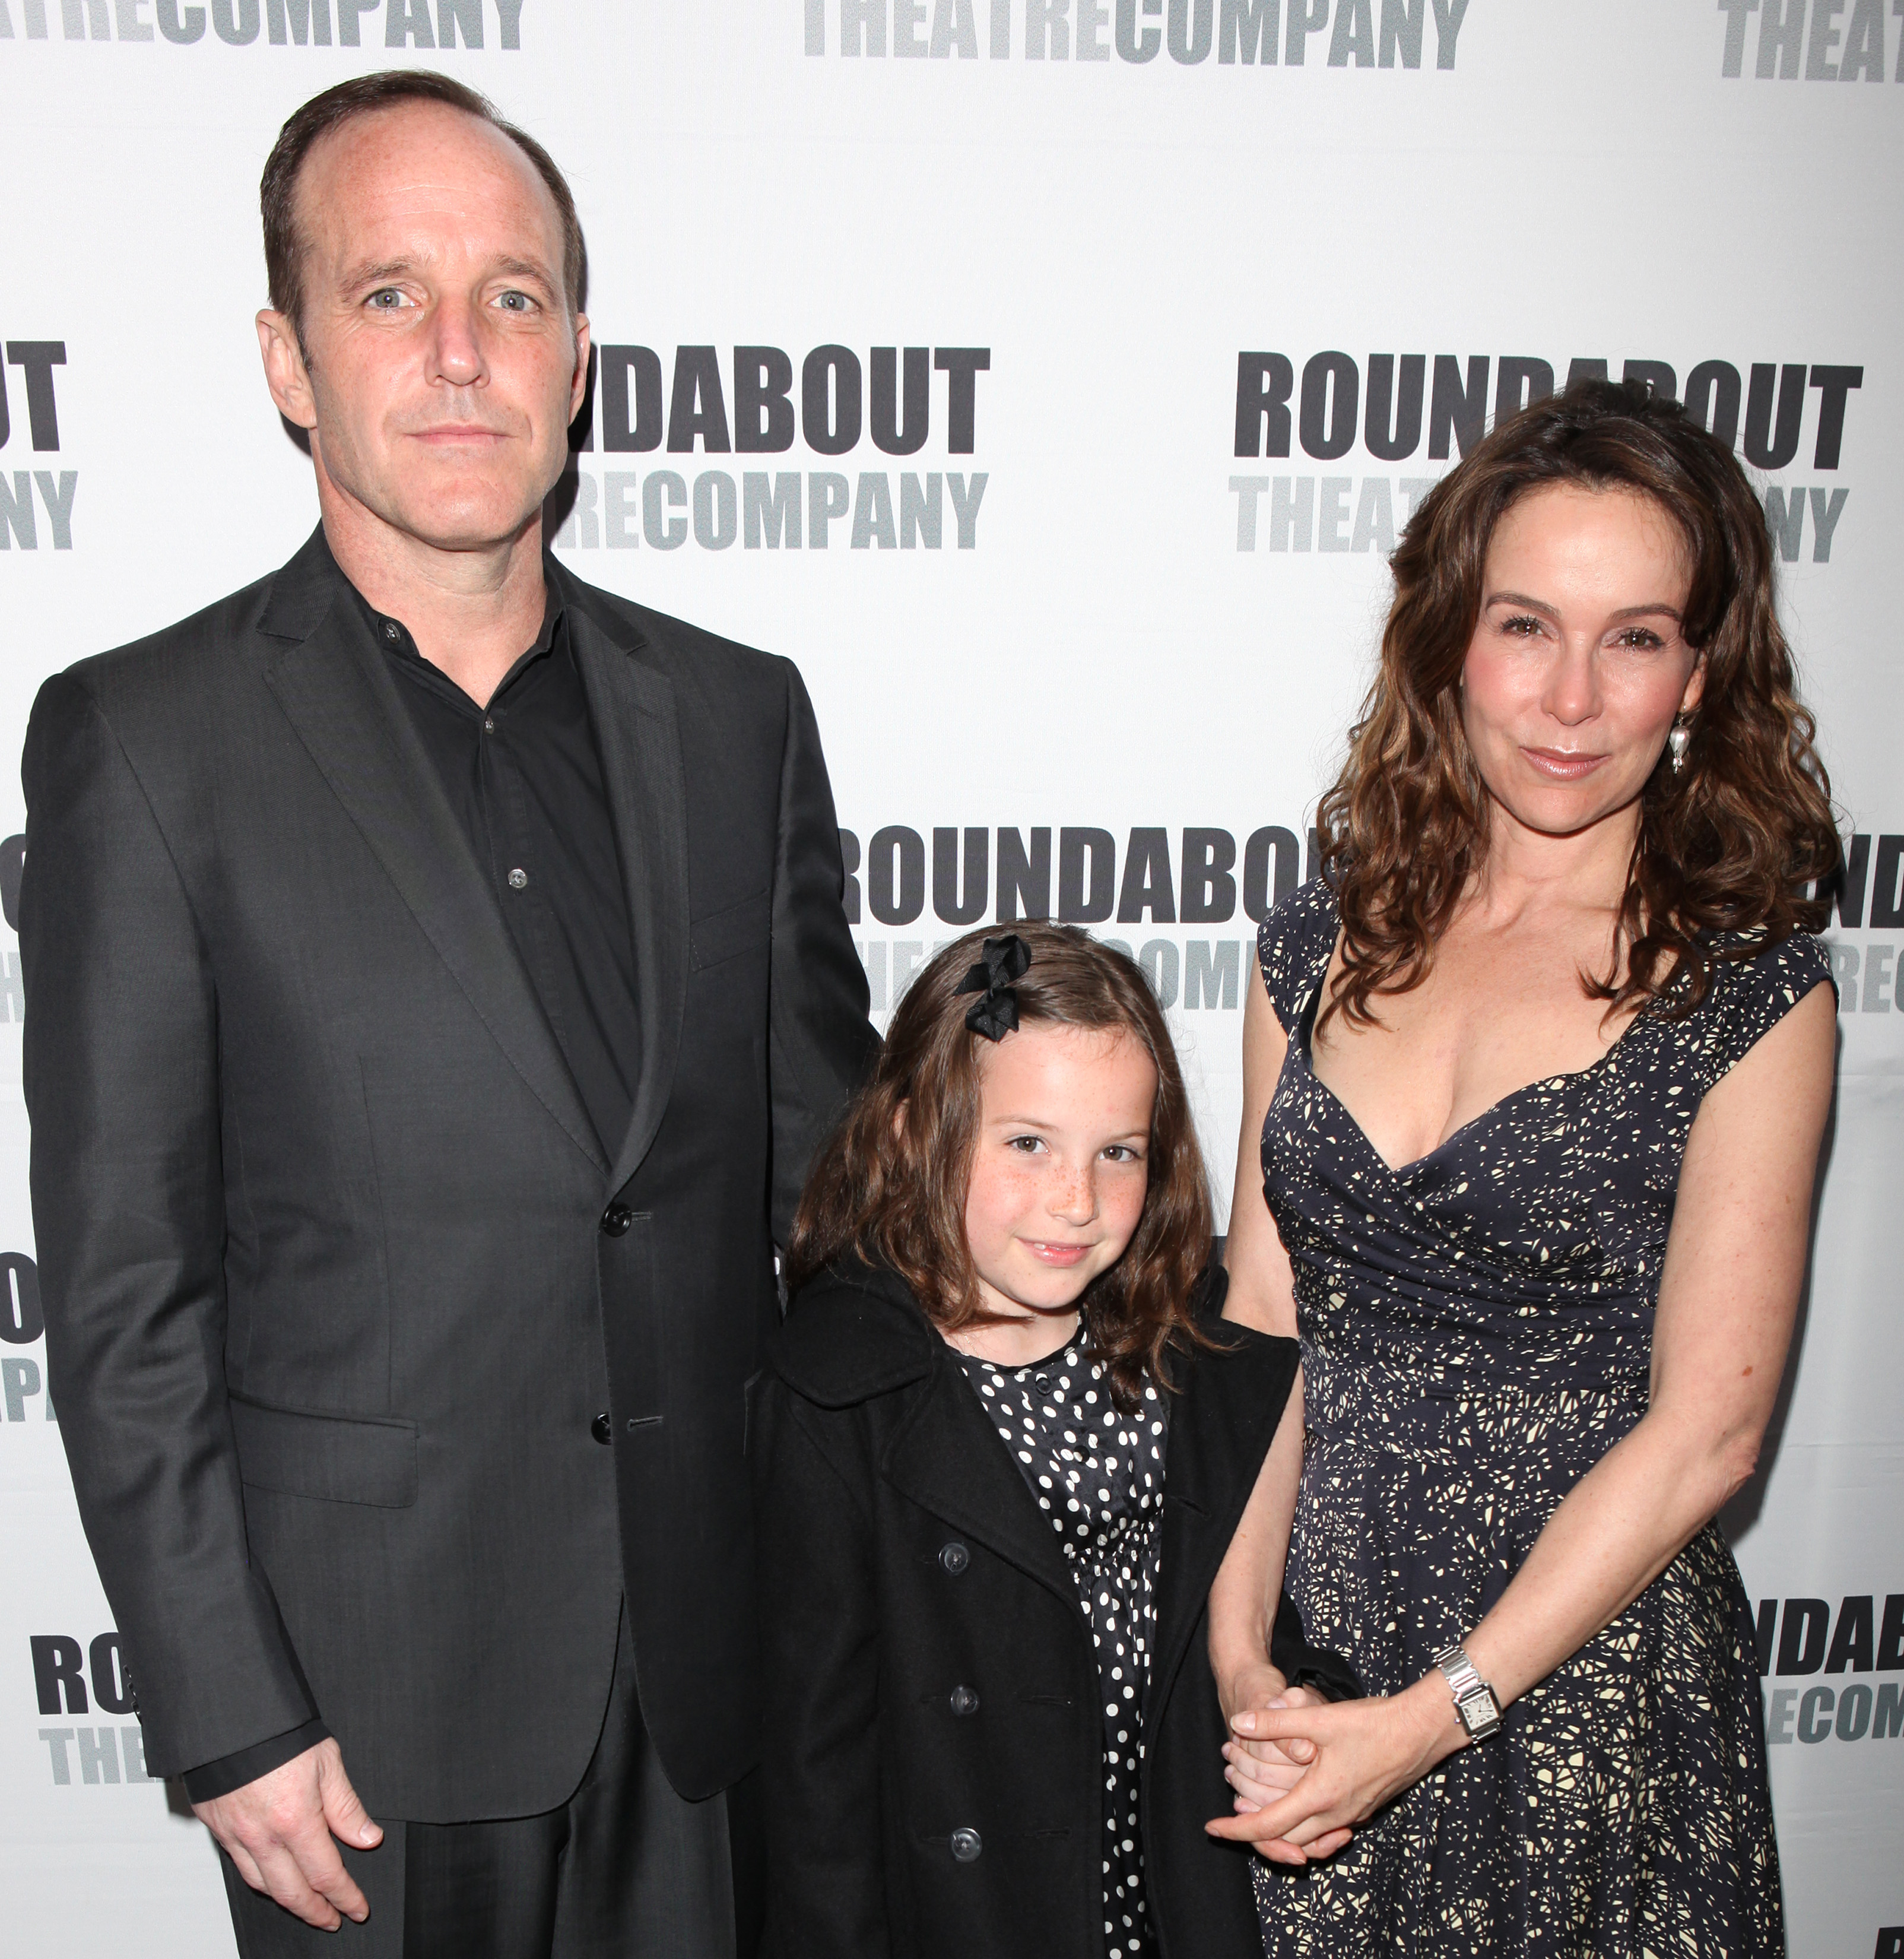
column 457, row 346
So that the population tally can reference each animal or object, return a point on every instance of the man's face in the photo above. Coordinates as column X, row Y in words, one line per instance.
column 443, row 365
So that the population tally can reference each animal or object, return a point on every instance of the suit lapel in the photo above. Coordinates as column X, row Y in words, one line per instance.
column 639, row 735
column 344, row 705
column 949, row 1458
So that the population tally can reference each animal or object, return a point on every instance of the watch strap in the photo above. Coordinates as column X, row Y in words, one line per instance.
column 1475, row 1705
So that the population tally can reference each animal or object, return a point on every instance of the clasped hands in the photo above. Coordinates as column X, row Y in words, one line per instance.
column 1305, row 1771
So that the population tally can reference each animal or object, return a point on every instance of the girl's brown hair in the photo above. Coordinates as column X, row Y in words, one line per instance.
column 1727, row 846
column 891, row 1186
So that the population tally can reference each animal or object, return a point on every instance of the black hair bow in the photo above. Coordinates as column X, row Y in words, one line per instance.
column 994, row 1013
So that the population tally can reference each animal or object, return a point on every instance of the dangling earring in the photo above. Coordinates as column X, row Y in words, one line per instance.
column 1679, row 740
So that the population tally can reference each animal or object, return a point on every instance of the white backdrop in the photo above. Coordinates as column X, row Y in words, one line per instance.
column 1134, row 618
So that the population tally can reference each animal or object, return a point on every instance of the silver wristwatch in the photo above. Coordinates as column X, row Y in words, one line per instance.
column 1474, row 1702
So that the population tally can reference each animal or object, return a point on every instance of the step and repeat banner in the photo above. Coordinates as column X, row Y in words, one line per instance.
column 1049, row 379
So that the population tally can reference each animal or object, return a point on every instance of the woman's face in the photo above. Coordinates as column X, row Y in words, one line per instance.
column 1577, row 664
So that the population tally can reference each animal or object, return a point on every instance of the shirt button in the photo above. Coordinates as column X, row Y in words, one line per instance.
column 965, row 1846
column 392, row 631
column 965, row 1701
column 954, row 1558
column 489, row 726
column 615, row 1221
column 602, row 1429
column 518, row 879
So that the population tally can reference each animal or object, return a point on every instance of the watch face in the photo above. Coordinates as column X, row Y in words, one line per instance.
column 1480, row 1715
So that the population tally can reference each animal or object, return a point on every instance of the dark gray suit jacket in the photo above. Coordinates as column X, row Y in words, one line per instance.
column 331, row 1310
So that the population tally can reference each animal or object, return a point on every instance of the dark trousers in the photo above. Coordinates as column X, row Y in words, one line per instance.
column 624, row 1869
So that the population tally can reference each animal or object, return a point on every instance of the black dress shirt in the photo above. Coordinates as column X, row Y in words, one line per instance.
column 523, row 777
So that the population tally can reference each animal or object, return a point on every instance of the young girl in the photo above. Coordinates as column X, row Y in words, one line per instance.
column 998, row 1459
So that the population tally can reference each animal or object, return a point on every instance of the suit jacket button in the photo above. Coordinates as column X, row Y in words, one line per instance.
column 955, row 1557
column 965, row 1701
column 602, row 1429
column 616, row 1220
column 965, row 1846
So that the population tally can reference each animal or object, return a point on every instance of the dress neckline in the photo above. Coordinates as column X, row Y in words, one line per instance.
column 1301, row 1047
column 1025, row 1367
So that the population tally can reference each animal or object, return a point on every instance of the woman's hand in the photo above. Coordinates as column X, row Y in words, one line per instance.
column 1364, row 1753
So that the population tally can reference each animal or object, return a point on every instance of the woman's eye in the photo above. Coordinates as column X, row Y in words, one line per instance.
column 1025, row 1144
column 1643, row 639
column 1523, row 626
column 1124, row 1153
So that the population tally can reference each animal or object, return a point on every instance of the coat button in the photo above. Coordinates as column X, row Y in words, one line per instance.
column 602, row 1429
column 965, row 1846
column 616, row 1220
column 955, row 1557
column 965, row 1701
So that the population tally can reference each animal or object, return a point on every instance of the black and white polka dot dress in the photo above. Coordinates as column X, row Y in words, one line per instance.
column 1098, row 1475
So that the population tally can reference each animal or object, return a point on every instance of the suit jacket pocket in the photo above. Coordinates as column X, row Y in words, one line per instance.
column 721, row 935
column 336, row 1459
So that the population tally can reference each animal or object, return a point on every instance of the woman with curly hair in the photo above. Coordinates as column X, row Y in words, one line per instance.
column 1535, row 1084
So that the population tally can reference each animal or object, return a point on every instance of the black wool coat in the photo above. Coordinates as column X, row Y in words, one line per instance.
column 903, row 1558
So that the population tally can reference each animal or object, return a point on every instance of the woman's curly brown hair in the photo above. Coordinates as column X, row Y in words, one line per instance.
column 890, row 1186
column 1726, row 848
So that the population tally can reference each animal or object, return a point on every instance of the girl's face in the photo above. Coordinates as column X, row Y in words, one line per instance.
column 1577, row 664
column 1060, row 1167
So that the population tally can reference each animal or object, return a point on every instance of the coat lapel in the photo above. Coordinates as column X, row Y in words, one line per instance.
column 639, row 735
column 343, row 703
column 1221, row 1427
column 948, row 1458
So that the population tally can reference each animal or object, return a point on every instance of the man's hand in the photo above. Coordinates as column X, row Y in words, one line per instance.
column 277, row 1831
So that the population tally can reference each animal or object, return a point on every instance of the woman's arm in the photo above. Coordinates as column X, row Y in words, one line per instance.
column 1249, row 1582
column 1735, row 1263
column 1262, row 1294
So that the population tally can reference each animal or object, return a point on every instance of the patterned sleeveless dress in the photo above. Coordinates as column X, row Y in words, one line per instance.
column 1476, row 1330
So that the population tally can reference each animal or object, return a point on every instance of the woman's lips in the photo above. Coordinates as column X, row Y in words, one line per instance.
column 1562, row 765
column 1049, row 1253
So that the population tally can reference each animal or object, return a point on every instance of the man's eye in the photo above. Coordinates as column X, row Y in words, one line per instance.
column 385, row 299
column 513, row 302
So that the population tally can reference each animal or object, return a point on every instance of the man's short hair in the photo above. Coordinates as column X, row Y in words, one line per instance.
column 363, row 95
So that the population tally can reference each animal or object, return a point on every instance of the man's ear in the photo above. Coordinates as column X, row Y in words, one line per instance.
column 579, row 385
column 285, row 373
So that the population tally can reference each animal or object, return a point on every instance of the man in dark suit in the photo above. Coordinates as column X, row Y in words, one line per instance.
column 439, row 983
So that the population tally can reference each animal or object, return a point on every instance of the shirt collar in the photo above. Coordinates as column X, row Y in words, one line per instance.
column 313, row 581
